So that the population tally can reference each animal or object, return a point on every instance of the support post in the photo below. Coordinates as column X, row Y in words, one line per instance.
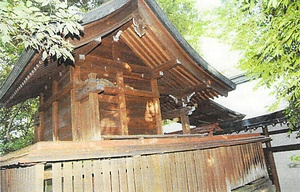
column 271, row 160
column 95, row 131
column 75, row 105
column 120, row 82
column 185, row 122
column 55, row 112
column 122, row 104
column 158, row 121
column 40, row 130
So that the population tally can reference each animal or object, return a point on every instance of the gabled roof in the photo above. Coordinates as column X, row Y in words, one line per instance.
column 184, row 71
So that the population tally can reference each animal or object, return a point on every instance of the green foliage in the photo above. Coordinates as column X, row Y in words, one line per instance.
column 16, row 126
column 268, row 33
column 295, row 158
column 186, row 18
column 86, row 5
column 41, row 25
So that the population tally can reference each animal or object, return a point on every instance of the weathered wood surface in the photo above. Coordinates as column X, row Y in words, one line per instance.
column 122, row 146
column 212, row 168
column 29, row 178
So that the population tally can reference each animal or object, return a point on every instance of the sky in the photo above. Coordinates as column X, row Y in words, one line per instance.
column 207, row 4
column 217, row 54
column 246, row 98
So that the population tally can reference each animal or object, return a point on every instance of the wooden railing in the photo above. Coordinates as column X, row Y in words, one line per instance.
column 218, row 163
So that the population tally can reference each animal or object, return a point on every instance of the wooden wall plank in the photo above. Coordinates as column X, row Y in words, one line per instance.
column 167, row 176
column 146, row 180
column 39, row 177
column 78, row 173
column 191, row 171
column 181, row 160
column 174, row 173
column 115, row 183
column 130, row 174
column 198, row 170
column 157, row 173
column 4, row 180
column 137, row 173
column 88, row 179
column 98, row 175
column 29, row 178
column 57, row 177
column 122, row 175
column 67, row 176
column 106, row 167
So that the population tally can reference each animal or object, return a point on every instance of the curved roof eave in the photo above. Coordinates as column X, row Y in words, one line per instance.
column 104, row 10
column 27, row 55
column 185, row 45
column 22, row 62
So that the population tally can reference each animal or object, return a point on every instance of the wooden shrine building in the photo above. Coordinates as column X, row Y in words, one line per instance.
column 99, row 125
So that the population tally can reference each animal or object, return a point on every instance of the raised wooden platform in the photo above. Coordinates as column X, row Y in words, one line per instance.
column 137, row 163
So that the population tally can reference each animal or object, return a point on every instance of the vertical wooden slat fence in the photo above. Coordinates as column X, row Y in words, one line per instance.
column 28, row 178
column 211, row 169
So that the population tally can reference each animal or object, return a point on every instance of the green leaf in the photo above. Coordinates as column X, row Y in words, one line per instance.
column 44, row 55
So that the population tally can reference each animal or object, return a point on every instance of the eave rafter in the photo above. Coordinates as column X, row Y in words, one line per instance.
column 158, row 71
column 87, row 48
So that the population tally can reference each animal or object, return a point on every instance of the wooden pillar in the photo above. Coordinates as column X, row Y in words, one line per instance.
column 120, row 82
column 94, row 117
column 158, row 121
column 75, row 105
column 40, row 131
column 94, row 114
column 271, row 160
column 55, row 112
column 185, row 122
column 122, row 104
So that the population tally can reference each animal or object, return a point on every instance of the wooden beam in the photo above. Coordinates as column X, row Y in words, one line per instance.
column 128, row 91
column 108, row 65
column 87, row 48
column 284, row 148
column 169, row 91
column 140, row 69
column 280, row 131
column 166, row 66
